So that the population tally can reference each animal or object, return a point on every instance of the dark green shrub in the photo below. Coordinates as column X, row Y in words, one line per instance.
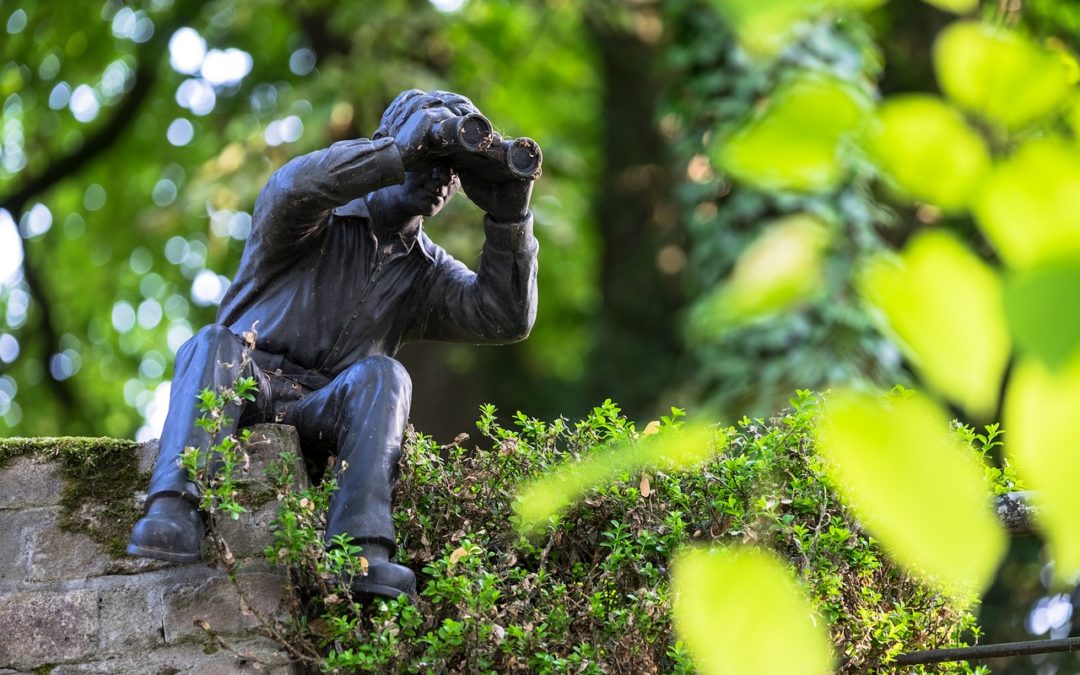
column 590, row 593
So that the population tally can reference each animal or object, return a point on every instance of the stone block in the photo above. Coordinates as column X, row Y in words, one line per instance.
column 258, row 655
column 41, row 627
column 129, row 614
column 147, row 454
column 30, row 481
column 16, row 527
column 54, row 554
column 267, row 443
column 228, row 607
column 248, row 535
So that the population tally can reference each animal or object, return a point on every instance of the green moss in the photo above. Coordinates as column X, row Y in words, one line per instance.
column 74, row 446
column 101, row 476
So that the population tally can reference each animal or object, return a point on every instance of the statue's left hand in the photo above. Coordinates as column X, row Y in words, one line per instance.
column 504, row 201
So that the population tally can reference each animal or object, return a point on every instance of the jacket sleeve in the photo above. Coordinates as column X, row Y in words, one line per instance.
column 494, row 305
column 295, row 204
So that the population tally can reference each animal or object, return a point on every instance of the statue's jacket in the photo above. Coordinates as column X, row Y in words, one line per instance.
column 323, row 295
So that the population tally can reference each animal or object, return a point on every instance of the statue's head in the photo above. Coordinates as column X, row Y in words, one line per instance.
column 408, row 102
column 428, row 189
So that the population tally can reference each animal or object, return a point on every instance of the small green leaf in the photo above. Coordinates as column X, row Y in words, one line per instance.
column 914, row 487
column 1042, row 306
column 1029, row 206
column 928, row 149
column 1045, row 450
column 944, row 306
column 796, row 141
column 732, row 605
column 781, row 268
column 674, row 449
column 999, row 74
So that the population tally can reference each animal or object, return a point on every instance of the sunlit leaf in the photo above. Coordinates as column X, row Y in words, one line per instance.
column 999, row 74
column 1045, row 450
column 944, row 306
column 1042, row 306
column 1029, row 206
column 740, row 611
column 928, row 149
column 674, row 450
column 796, row 141
column 954, row 6
column 782, row 267
column 914, row 487
column 1073, row 117
column 764, row 26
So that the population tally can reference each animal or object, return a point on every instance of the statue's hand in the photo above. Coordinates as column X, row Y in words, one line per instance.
column 414, row 138
column 504, row 201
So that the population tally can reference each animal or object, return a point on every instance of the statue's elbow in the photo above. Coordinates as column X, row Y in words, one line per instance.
column 521, row 327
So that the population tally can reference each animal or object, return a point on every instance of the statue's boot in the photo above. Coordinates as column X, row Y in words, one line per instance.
column 384, row 579
column 172, row 529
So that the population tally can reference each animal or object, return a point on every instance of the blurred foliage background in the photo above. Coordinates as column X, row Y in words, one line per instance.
column 135, row 136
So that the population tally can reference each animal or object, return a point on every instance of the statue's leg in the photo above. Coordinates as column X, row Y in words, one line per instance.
column 365, row 410
column 172, row 528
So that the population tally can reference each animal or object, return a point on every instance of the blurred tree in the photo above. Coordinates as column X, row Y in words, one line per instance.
column 752, row 368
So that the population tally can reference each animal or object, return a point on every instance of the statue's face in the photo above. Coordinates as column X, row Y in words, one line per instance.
column 425, row 192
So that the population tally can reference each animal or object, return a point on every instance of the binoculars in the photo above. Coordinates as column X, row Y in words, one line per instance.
column 473, row 145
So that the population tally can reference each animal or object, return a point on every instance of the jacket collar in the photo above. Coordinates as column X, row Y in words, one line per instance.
column 357, row 208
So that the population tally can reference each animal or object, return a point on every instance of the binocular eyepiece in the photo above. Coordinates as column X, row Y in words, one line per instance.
column 473, row 145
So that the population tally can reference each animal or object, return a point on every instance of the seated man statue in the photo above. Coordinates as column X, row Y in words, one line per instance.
column 337, row 273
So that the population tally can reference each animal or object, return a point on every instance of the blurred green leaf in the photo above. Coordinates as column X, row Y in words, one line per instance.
column 1045, row 450
column 1073, row 117
column 999, row 74
column 1029, row 206
column 928, row 149
column 740, row 611
column 674, row 450
column 795, row 142
column 782, row 267
column 1043, row 309
column 914, row 487
column 944, row 306
column 764, row 26
column 954, row 6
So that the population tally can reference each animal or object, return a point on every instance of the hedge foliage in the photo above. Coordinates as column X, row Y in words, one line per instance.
column 591, row 592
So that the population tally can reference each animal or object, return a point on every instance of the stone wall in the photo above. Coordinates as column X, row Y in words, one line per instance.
column 68, row 606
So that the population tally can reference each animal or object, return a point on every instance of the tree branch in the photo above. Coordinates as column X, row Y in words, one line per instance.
column 103, row 138
column 981, row 652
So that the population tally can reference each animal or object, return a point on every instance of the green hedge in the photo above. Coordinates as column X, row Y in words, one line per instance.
column 591, row 592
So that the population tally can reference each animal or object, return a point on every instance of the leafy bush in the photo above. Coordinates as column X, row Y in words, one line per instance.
column 591, row 592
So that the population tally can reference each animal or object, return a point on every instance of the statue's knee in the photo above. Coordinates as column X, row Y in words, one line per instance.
column 383, row 371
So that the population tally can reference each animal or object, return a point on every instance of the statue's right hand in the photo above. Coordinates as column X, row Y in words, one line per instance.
column 414, row 138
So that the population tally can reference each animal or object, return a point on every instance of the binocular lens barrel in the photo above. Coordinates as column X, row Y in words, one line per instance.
column 523, row 157
column 472, row 132
column 472, row 143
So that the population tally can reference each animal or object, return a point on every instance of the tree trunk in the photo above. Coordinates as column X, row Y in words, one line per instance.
column 636, row 355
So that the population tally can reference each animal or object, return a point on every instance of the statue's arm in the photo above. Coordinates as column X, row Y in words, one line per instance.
column 494, row 305
column 296, row 202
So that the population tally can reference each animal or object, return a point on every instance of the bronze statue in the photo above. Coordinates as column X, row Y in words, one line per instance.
column 338, row 273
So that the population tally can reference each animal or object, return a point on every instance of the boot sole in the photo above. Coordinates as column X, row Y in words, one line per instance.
column 158, row 554
column 381, row 591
